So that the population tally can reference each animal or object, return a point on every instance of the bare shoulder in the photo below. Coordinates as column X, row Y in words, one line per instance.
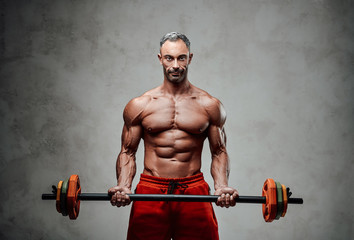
column 135, row 107
column 213, row 107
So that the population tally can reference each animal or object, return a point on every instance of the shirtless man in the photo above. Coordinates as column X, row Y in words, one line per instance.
column 174, row 119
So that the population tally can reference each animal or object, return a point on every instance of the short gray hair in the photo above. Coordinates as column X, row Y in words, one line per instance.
column 174, row 36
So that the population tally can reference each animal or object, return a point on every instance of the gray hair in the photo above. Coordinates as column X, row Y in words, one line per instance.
column 174, row 36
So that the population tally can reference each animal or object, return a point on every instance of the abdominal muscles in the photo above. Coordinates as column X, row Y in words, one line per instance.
column 173, row 153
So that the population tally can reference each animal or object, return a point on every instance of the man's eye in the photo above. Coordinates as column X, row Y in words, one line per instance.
column 182, row 58
column 168, row 58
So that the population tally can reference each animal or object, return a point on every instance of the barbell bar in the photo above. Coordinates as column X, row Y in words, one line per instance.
column 274, row 202
column 169, row 197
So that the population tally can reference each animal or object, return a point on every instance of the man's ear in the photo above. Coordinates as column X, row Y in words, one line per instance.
column 190, row 58
column 160, row 58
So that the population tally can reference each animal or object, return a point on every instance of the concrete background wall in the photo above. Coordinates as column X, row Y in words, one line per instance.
column 283, row 70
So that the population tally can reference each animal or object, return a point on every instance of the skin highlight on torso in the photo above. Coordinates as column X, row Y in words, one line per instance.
column 174, row 130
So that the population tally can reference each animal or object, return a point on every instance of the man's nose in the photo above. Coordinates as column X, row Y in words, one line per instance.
column 175, row 64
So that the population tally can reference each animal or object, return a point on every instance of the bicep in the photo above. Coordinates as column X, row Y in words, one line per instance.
column 132, row 129
column 217, row 139
column 130, row 138
column 216, row 132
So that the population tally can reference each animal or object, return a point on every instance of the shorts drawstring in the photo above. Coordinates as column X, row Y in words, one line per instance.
column 175, row 185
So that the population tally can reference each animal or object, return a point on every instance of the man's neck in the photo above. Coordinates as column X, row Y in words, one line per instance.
column 176, row 89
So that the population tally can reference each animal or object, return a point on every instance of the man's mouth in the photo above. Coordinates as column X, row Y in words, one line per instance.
column 175, row 74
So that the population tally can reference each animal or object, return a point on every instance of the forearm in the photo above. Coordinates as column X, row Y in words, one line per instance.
column 125, row 169
column 220, row 169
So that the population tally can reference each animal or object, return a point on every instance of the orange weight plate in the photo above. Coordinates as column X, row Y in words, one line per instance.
column 270, row 207
column 58, row 196
column 285, row 200
column 73, row 204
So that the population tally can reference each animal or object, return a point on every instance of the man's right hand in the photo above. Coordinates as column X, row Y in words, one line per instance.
column 119, row 196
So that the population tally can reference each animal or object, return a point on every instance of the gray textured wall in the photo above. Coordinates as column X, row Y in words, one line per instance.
column 283, row 70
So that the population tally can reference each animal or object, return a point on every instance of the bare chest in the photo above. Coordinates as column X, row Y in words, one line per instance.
column 185, row 114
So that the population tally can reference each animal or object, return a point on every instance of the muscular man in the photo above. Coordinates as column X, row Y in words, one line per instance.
column 173, row 119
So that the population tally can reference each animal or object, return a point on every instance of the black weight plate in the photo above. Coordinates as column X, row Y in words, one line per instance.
column 64, row 190
column 280, row 202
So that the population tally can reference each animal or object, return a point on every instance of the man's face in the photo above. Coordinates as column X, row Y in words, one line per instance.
column 175, row 58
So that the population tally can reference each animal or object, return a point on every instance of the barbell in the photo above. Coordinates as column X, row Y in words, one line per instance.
column 275, row 198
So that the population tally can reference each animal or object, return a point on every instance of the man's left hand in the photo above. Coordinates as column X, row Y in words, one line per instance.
column 227, row 196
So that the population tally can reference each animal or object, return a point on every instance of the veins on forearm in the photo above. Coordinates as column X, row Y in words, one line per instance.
column 126, row 169
column 220, row 169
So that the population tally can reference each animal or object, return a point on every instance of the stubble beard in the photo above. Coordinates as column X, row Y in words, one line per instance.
column 174, row 80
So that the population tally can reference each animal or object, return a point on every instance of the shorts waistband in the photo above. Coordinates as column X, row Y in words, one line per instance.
column 166, row 181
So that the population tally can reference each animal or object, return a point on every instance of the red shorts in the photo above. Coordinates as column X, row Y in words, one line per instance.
column 176, row 220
